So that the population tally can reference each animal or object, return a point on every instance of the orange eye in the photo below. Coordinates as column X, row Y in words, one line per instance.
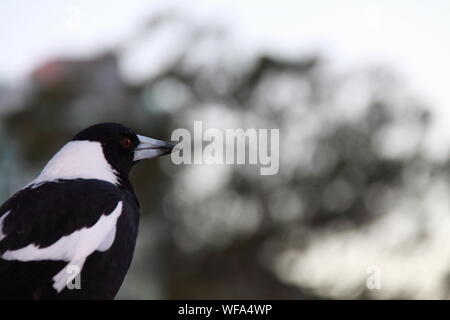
column 126, row 142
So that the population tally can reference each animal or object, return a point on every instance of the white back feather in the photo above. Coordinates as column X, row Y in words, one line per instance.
column 2, row 218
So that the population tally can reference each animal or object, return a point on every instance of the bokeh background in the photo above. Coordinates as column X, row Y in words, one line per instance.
column 358, row 89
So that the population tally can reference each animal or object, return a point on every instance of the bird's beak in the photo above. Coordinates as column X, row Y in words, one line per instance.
column 149, row 148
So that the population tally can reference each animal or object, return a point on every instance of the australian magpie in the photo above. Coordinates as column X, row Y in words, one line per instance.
column 71, row 233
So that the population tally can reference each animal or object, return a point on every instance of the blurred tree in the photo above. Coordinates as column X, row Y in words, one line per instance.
column 217, row 231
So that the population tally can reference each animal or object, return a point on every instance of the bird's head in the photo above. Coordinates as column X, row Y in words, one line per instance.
column 121, row 147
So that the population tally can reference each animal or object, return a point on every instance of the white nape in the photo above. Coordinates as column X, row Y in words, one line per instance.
column 2, row 218
column 78, row 160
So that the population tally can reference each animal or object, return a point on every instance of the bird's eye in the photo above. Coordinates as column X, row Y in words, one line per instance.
column 126, row 142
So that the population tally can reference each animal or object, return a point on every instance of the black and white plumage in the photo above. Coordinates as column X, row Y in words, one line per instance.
column 78, row 218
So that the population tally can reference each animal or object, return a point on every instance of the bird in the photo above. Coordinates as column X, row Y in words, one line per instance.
column 70, row 234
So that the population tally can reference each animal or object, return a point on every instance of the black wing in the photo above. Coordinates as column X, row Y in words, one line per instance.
column 41, row 216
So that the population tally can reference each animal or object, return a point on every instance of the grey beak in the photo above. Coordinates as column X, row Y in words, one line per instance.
column 149, row 148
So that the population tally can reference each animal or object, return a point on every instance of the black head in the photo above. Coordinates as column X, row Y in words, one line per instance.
column 118, row 142
column 121, row 146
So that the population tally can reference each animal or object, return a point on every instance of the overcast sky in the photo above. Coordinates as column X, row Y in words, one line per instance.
column 413, row 37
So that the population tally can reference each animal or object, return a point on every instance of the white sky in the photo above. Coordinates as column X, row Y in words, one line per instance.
column 411, row 36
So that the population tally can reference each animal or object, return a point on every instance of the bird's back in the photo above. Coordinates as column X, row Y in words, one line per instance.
column 49, row 230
